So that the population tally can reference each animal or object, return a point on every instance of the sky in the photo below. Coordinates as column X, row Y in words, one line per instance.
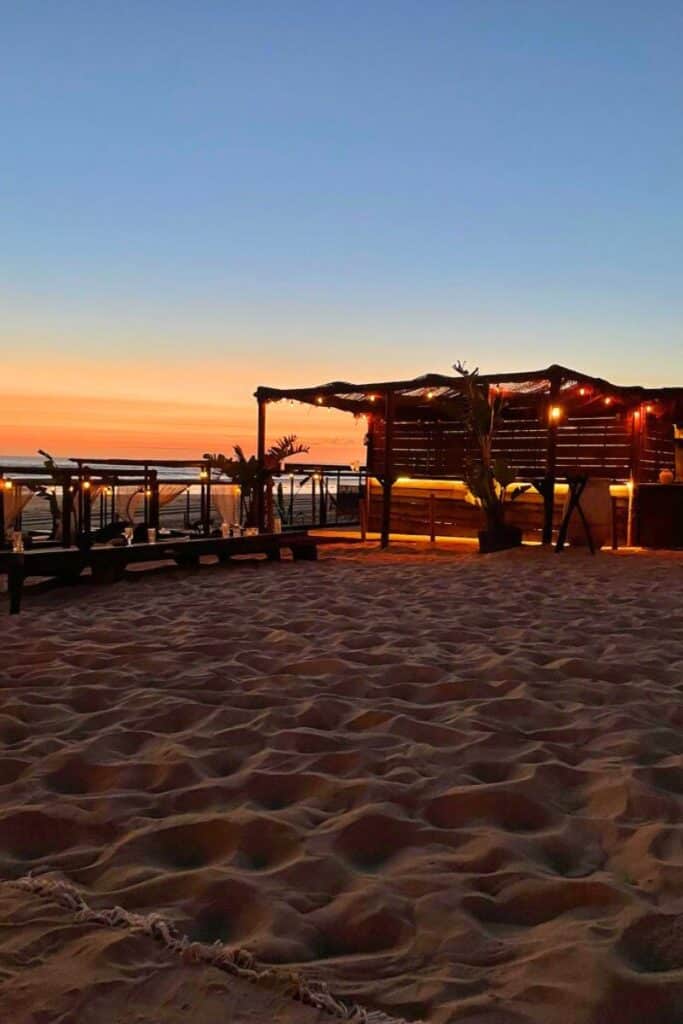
column 200, row 197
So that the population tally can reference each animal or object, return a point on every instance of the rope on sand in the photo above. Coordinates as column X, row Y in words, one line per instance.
column 238, row 962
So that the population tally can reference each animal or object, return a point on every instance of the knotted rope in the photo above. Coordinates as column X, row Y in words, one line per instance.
column 238, row 962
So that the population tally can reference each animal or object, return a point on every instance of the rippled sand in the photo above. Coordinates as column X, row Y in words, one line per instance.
column 451, row 786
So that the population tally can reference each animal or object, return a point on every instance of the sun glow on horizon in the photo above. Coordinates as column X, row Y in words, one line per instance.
column 99, row 426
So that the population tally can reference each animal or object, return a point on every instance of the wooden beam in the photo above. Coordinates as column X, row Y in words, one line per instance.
column 388, row 481
column 168, row 463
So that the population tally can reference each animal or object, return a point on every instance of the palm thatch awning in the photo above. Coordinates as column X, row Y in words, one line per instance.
column 436, row 396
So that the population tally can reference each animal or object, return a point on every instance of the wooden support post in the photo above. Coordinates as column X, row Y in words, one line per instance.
column 388, row 480
column 270, row 524
column 154, row 499
column 363, row 518
column 15, row 583
column 260, row 509
column 369, row 466
column 638, row 427
column 432, row 524
column 613, row 510
column 631, row 517
column 67, row 510
column 78, row 504
column 638, row 424
column 206, row 524
column 2, row 513
column 550, row 461
column 145, row 496
column 86, row 509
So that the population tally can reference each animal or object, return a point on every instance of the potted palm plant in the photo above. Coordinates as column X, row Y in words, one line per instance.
column 489, row 478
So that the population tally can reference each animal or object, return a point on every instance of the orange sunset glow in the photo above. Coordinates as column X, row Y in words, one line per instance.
column 172, row 411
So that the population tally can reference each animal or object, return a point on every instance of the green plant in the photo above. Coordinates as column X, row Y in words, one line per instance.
column 44, row 491
column 246, row 471
column 489, row 478
column 282, row 511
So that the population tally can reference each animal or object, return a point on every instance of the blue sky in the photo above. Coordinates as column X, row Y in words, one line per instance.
column 362, row 189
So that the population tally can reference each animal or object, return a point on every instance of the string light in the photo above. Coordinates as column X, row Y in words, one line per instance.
column 148, row 492
column 203, row 474
column 608, row 400
column 555, row 413
column 430, row 395
column 636, row 414
column 372, row 397
column 8, row 485
column 319, row 399
column 86, row 485
column 582, row 391
column 648, row 408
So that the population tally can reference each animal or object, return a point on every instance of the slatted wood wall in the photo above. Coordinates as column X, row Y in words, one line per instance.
column 599, row 445
column 658, row 448
column 596, row 442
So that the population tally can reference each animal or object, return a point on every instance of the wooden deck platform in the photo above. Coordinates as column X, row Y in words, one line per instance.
column 108, row 563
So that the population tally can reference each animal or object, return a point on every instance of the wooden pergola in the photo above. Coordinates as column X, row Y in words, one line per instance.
column 556, row 422
column 76, row 480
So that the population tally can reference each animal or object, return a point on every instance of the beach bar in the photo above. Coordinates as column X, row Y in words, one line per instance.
column 557, row 424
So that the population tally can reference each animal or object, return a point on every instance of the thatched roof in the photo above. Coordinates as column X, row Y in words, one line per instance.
column 428, row 396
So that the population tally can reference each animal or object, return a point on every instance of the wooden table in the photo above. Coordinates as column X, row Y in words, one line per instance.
column 108, row 562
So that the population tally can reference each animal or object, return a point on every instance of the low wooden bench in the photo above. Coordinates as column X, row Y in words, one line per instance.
column 108, row 563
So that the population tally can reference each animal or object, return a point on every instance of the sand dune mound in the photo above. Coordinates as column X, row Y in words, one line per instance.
column 449, row 786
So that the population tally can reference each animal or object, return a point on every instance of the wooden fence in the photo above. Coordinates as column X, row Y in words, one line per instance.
column 443, row 511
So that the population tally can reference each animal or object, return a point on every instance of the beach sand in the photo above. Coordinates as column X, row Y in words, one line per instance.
column 449, row 785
